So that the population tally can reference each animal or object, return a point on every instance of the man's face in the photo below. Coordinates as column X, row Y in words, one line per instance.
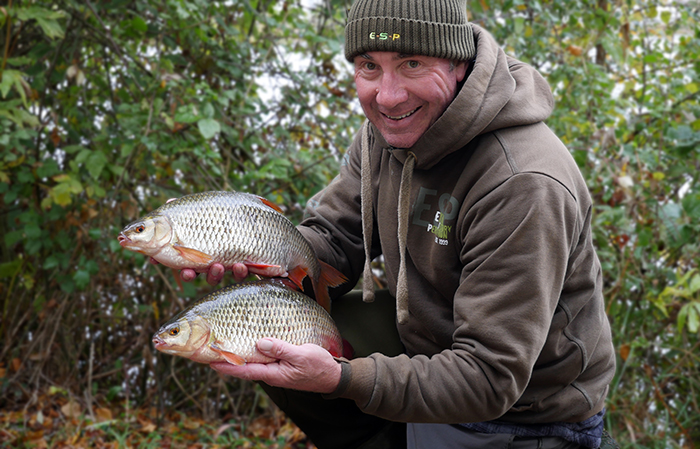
column 403, row 95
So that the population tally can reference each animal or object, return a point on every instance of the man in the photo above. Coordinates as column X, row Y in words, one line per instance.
column 483, row 219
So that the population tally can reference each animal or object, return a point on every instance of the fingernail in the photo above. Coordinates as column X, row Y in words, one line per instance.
column 265, row 345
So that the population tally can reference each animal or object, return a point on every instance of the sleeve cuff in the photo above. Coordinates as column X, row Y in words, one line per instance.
column 345, row 374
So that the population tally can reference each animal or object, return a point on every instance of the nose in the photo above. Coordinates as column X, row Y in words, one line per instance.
column 391, row 91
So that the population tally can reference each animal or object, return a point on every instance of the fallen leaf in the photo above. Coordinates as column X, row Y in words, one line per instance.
column 71, row 410
column 191, row 424
column 147, row 425
column 103, row 414
column 221, row 430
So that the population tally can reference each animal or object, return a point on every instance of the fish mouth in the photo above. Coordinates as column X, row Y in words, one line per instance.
column 124, row 241
column 158, row 342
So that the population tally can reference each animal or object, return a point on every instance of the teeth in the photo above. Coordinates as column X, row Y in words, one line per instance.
column 401, row 116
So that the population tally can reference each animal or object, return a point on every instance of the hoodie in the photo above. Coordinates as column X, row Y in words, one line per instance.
column 484, row 225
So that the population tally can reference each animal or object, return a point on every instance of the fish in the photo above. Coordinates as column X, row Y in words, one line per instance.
column 198, row 230
column 226, row 324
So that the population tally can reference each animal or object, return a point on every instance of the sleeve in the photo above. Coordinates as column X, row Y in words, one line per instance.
column 515, row 246
column 333, row 221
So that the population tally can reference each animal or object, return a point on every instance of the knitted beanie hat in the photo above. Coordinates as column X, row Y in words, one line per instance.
column 414, row 27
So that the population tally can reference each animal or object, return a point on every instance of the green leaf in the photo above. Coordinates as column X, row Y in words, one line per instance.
column 13, row 78
column 95, row 163
column 208, row 127
column 10, row 269
column 138, row 24
column 691, row 205
column 81, row 279
column 693, row 316
column 45, row 18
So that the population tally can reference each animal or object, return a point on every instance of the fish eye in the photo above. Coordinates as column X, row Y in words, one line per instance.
column 174, row 331
column 140, row 229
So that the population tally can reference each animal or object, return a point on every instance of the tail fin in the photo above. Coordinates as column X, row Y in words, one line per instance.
column 330, row 277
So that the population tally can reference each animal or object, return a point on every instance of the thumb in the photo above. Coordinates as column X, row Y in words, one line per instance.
column 272, row 347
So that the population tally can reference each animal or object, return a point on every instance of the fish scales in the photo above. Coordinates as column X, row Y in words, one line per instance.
column 199, row 230
column 236, row 317
column 236, row 227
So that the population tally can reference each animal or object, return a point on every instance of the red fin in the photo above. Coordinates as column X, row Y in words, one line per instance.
column 348, row 350
column 270, row 204
column 288, row 283
column 193, row 255
column 297, row 275
column 264, row 269
column 330, row 277
column 230, row 357
column 176, row 275
column 337, row 346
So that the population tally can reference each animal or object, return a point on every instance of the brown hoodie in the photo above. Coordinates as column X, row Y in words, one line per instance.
column 504, row 315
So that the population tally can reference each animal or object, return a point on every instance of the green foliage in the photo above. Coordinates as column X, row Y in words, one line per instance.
column 107, row 109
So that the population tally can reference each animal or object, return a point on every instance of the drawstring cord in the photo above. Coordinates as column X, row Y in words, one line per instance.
column 367, row 220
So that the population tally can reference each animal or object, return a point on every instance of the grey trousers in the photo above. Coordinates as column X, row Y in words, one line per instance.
column 451, row 436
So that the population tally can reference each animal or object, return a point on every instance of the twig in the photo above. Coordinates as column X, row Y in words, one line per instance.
column 6, row 53
column 88, row 390
column 172, row 373
column 169, row 287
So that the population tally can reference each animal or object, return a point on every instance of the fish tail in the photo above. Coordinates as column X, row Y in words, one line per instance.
column 330, row 277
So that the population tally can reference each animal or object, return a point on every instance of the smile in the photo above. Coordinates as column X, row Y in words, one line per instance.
column 401, row 116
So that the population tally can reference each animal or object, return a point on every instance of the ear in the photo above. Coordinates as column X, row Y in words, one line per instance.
column 461, row 69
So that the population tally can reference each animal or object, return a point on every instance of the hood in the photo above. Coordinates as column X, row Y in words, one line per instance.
column 500, row 92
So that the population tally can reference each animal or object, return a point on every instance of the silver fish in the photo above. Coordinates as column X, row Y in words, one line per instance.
column 201, row 229
column 226, row 324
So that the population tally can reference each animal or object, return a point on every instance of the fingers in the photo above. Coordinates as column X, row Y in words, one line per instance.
column 188, row 274
column 240, row 272
column 215, row 274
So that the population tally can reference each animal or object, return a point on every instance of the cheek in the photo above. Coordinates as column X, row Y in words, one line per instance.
column 366, row 92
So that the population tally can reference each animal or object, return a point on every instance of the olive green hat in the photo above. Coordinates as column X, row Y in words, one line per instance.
column 415, row 27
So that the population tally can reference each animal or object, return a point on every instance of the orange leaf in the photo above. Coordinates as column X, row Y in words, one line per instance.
column 16, row 364
column 624, row 352
column 103, row 414
column 574, row 50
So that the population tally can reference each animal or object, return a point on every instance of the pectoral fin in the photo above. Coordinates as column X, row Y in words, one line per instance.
column 230, row 357
column 264, row 269
column 193, row 255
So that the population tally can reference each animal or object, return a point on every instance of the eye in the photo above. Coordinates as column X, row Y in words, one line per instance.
column 370, row 66
column 140, row 229
column 413, row 64
column 174, row 331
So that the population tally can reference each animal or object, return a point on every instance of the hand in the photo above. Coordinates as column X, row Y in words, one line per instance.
column 307, row 367
column 215, row 273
